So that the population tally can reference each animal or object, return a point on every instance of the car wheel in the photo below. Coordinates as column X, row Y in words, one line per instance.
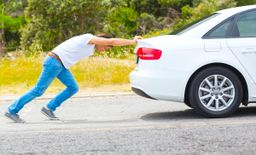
column 215, row 92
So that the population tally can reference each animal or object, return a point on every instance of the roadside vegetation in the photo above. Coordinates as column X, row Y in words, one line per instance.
column 31, row 28
column 21, row 73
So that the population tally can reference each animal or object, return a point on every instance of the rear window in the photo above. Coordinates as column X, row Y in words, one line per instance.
column 246, row 24
column 192, row 25
column 221, row 30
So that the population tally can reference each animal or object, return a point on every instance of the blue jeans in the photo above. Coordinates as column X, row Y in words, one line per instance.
column 52, row 68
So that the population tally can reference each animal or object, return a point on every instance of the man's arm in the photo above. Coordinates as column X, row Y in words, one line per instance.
column 114, row 41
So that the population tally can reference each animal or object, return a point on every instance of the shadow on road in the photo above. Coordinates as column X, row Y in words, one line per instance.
column 245, row 111
column 81, row 121
column 186, row 114
column 191, row 114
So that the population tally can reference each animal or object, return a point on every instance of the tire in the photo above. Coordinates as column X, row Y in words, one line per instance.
column 220, row 100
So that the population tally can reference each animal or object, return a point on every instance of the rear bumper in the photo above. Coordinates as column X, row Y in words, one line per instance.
column 141, row 93
column 157, row 85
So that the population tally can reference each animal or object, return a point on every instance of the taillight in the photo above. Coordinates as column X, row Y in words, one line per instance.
column 149, row 53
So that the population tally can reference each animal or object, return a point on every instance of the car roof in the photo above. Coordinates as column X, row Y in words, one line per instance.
column 236, row 9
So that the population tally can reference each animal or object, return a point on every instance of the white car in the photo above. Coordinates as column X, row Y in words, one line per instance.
column 210, row 66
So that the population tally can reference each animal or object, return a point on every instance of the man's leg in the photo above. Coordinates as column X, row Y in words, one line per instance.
column 47, row 76
column 68, row 80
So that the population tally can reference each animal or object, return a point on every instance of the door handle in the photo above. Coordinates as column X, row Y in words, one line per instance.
column 249, row 51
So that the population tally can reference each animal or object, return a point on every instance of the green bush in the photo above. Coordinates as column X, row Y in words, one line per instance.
column 121, row 21
column 50, row 22
column 246, row 2
column 10, row 22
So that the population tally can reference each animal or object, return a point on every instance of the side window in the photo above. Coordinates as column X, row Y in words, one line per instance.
column 245, row 25
column 220, row 31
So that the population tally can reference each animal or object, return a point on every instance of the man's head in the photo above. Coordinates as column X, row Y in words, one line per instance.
column 100, row 48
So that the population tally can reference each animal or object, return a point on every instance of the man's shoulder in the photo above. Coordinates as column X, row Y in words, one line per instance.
column 83, row 38
column 85, row 35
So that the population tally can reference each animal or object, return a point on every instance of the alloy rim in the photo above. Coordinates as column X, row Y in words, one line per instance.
column 216, row 92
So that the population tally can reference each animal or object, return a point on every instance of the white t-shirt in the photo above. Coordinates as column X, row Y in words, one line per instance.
column 74, row 49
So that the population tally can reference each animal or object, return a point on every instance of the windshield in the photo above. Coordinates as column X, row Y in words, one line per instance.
column 193, row 24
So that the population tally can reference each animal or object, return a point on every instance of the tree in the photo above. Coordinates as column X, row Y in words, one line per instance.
column 50, row 22
column 130, row 17
column 177, row 4
column 121, row 21
column 245, row 2
column 11, row 20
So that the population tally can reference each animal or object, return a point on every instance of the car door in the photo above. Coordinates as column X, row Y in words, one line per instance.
column 242, row 41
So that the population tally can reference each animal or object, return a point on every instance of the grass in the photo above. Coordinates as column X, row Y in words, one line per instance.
column 95, row 73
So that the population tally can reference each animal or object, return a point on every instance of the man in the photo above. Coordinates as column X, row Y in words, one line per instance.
column 57, row 64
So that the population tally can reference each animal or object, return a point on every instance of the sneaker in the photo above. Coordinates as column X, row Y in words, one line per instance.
column 14, row 117
column 47, row 112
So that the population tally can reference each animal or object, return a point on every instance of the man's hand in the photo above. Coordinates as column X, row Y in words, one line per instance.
column 136, row 38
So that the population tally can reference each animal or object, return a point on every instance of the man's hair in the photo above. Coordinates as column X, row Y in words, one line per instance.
column 104, row 35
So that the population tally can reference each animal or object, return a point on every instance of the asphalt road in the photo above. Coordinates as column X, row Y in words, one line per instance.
column 126, row 124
